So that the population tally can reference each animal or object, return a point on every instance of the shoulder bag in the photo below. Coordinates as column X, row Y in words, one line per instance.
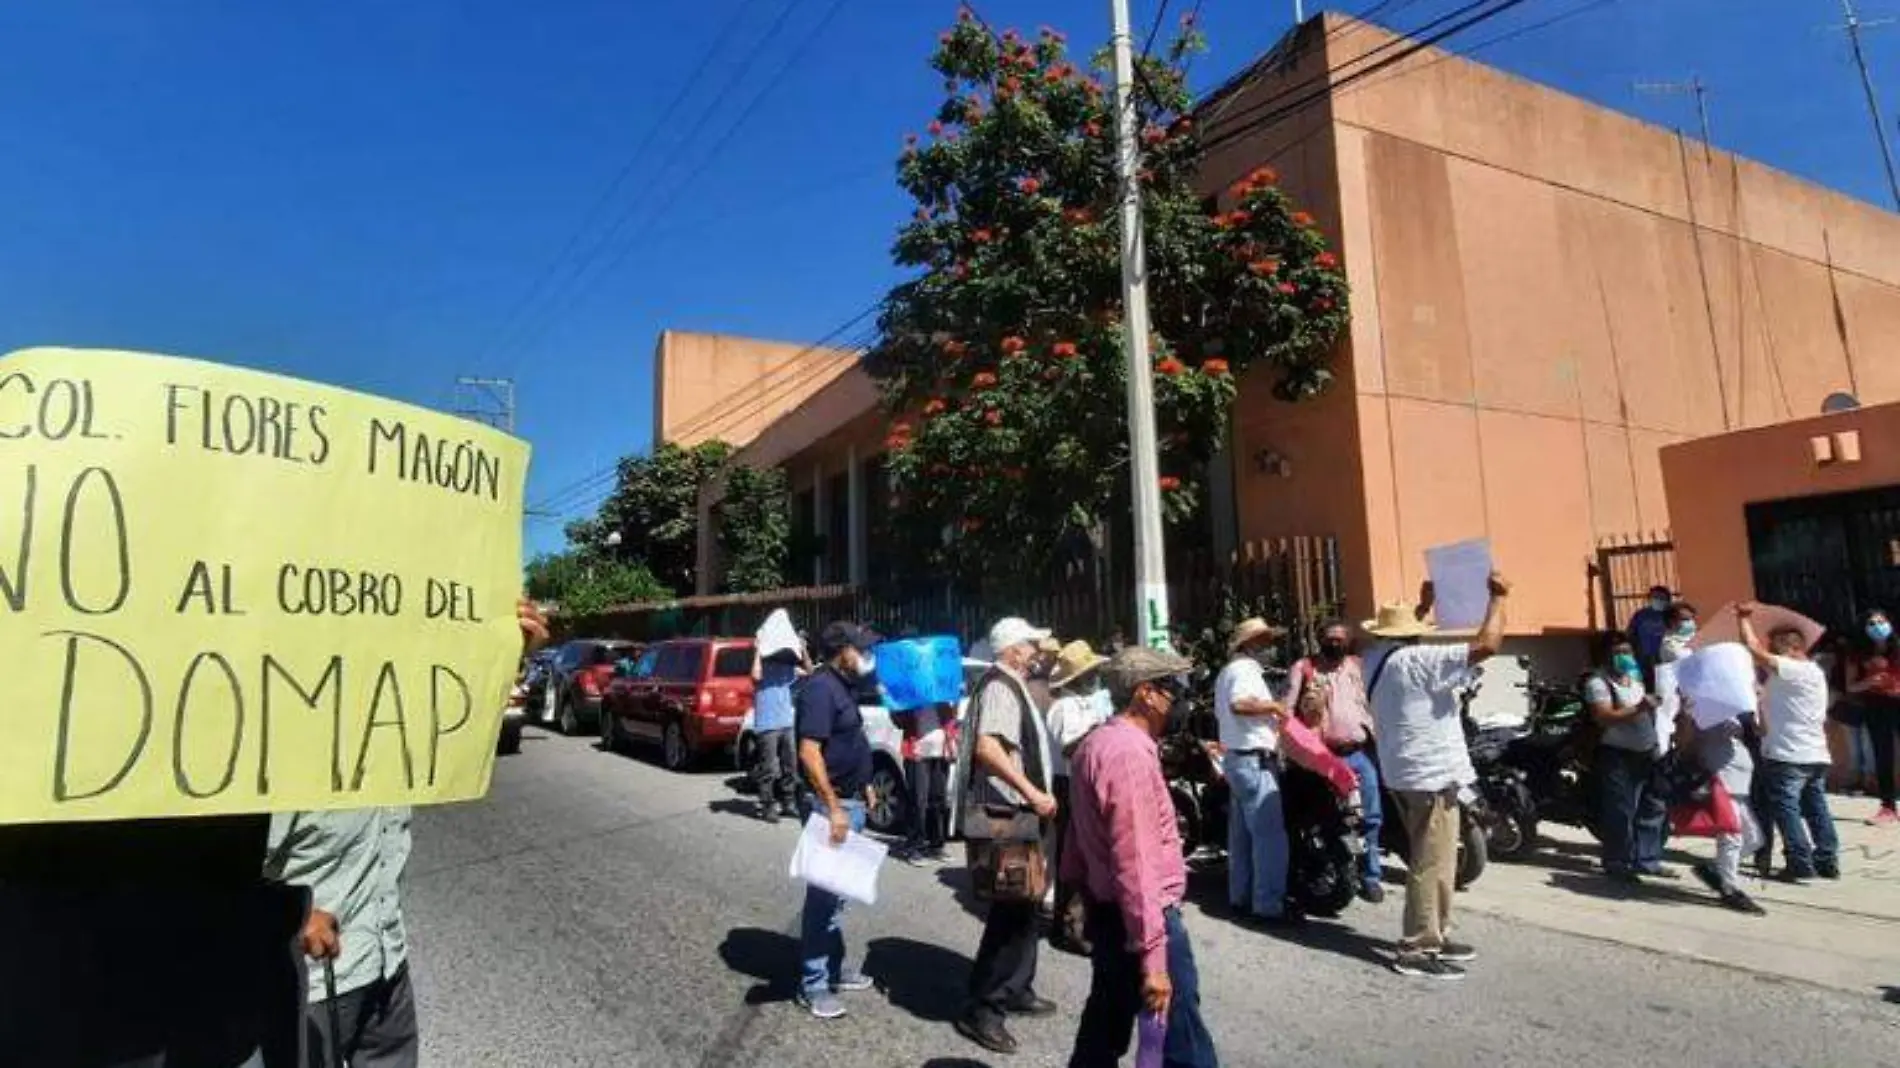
column 1002, row 842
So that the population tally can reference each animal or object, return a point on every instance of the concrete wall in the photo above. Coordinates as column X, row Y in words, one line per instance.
column 1711, row 481
column 1546, row 293
column 709, row 386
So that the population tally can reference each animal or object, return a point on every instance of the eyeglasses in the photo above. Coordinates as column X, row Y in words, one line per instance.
column 1174, row 686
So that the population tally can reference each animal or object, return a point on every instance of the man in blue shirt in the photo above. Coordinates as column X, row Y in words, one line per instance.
column 836, row 758
column 1648, row 625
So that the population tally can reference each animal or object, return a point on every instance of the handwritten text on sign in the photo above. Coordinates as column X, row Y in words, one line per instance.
column 228, row 591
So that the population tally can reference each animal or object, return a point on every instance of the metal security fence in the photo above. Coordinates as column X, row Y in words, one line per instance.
column 1293, row 580
column 1627, row 568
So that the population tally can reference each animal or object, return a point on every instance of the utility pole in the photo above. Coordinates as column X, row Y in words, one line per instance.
column 1854, row 27
column 1151, row 578
column 1693, row 87
column 486, row 400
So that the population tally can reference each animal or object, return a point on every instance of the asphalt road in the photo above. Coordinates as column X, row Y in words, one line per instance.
column 596, row 910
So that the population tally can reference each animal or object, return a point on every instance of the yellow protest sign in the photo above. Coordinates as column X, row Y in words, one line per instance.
column 227, row 591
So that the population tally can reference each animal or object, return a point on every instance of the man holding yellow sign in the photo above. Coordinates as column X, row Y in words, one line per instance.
column 223, row 594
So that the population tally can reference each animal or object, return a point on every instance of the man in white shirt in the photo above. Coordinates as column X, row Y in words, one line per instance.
column 1249, row 712
column 1413, row 688
column 1795, row 757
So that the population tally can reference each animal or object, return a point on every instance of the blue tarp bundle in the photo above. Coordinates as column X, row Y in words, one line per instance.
column 918, row 672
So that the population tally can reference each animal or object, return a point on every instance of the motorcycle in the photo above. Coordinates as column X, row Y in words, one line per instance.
column 1195, row 783
column 1541, row 770
column 1326, row 844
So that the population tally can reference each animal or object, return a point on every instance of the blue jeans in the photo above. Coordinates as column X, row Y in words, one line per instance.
column 821, row 932
column 1257, row 851
column 1633, row 816
column 1797, row 798
column 1362, row 765
column 1108, row 1020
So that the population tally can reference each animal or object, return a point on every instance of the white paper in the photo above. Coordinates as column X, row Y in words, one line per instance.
column 1719, row 682
column 1668, row 704
column 777, row 634
column 849, row 870
column 1461, row 582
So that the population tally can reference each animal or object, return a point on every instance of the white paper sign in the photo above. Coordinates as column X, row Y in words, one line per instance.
column 777, row 634
column 1719, row 682
column 1461, row 582
column 848, row 870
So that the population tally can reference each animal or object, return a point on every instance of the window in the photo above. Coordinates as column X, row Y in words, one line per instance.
column 838, row 528
column 733, row 662
column 692, row 662
column 600, row 654
column 570, row 655
column 647, row 665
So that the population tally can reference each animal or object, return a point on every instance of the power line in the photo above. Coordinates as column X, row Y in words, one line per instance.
column 1854, row 27
column 626, row 170
column 582, row 289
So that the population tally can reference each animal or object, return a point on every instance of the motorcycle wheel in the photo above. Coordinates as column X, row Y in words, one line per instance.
column 1472, row 854
column 1511, row 836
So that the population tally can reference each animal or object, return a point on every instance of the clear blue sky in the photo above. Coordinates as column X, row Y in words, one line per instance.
column 362, row 193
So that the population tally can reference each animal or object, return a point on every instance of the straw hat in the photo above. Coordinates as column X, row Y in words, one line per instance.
column 1074, row 661
column 1398, row 619
column 1249, row 631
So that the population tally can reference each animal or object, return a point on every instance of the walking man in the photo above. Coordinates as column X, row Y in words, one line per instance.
column 1126, row 854
column 1328, row 693
column 1248, row 714
column 1794, row 749
column 1008, row 811
column 1413, row 689
column 836, row 757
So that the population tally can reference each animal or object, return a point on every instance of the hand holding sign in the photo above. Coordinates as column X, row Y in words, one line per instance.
column 224, row 591
column 1461, row 582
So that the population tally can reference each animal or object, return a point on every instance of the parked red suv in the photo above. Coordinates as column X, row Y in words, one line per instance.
column 690, row 695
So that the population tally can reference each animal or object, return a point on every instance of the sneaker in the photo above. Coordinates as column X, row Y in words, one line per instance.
column 1740, row 902
column 823, row 1005
column 1795, row 876
column 1886, row 817
column 916, row 858
column 768, row 814
column 1657, row 871
column 853, row 982
column 938, row 856
column 1457, row 953
column 1032, row 1006
column 1426, row 966
column 1829, row 870
column 1372, row 893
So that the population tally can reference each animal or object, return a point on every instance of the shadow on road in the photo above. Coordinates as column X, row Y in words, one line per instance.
column 1890, row 994
column 1592, row 884
column 954, row 1062
column 737, row 806
column 771, row 957
column 957, row 878
column 927, row 981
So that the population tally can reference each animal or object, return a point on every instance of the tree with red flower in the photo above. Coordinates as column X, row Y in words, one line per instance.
column 1021, row 255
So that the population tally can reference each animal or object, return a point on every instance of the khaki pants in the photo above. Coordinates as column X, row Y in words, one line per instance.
column 1431, row 824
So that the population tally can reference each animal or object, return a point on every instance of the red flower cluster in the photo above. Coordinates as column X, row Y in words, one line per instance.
column 955, row 349
column 1078, row 216
column 1030, row 186
column 1288, row 289
column 934, row 406
column 1326, row 260
column 1216, row 367
column 983, row 380
column 1011, row 84
column 1092, row 129
column 1323, row 305
column 1302, row 219
column 935, row 128
column 1063, row 350
column 1237, row 217
column 1170, row 367
column 1152, row 135
column 993, row 417
column 981, row 236
column 960, row 269
column 1263, row 268
column 1169, row 483
column 1013, row 345
column 1181, row 125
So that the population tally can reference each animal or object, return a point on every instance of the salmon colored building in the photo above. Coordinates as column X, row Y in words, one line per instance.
column 1546, row 295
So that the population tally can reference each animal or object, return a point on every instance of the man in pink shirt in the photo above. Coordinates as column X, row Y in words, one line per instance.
column 1124, row 852
column 1327, row 692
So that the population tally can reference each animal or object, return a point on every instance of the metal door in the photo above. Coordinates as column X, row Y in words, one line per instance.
column 1831, row 557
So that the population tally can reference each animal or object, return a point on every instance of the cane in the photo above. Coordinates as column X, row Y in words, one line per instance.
column 329, row 1005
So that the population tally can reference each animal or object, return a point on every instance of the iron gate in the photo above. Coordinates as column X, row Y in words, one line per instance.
column 1830, row 558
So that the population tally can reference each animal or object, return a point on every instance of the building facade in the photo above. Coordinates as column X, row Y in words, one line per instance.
column 1546, row 295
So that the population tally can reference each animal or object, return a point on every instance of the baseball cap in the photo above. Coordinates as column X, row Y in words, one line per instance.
column 844, row 633
column 1014, row 630
column 1138, row 664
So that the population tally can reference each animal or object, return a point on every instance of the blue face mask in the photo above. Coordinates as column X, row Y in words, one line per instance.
column 1685, row 629
column 1625, row 664
column 1880, row 630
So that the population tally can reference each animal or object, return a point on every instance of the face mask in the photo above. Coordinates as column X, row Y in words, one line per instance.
column 1660, row 604
column 1625, row 664
column 1332, row 650
column 1685, row 629
column 1880, row 630
column 1100, row 704
column 867, row 664
column 1267, row 656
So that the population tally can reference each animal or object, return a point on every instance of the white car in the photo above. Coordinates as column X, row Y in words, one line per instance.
column 891, row 813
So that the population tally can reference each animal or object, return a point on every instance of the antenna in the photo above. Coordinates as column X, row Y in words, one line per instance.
column 1854, row 27
column 486, row 400
column 1693, row 87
